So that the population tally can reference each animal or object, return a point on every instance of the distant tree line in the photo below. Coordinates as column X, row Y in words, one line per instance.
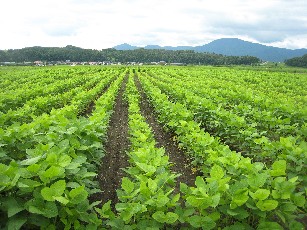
column 297, row 61
column 76, row 54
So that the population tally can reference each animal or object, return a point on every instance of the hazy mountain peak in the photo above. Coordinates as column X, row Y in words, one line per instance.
column 232, row 47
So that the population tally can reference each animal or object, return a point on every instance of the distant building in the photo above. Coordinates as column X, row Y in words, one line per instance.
column 38, row 63
column 178, row 64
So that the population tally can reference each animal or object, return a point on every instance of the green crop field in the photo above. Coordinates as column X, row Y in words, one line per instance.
column 152, row 147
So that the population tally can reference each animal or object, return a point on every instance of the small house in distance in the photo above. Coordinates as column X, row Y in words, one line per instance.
column 178, row 64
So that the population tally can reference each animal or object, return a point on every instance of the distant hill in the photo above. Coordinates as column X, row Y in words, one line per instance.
column 125, row 46
column 233, row 47
column 298, row 61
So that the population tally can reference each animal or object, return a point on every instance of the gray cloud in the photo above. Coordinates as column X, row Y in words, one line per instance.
column 105, row 23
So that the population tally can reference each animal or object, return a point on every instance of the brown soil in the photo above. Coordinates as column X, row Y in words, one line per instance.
column 165, row 139
column 111, row 173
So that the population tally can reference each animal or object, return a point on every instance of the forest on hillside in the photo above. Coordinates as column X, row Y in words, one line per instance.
column 297, row 61
column 76, row 54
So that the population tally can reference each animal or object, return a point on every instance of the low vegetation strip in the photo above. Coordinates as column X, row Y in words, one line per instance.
column 241, row 177
column 146, row 197
column 181, row 164
column 48, row 186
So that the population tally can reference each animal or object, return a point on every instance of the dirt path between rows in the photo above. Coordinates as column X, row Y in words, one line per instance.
column 111, row 173
column 164, row 139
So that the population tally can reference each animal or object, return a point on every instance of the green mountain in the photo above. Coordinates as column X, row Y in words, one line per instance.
column 233, row 47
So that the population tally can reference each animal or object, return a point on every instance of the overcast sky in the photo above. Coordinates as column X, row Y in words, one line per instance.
column 99, row 24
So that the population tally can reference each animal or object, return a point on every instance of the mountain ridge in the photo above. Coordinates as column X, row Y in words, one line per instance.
column 232, row 47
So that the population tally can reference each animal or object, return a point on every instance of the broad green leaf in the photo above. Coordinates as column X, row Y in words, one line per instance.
column 72, row 185
column 36, row 210
column 295, row 225
column 208, row 223
column 236, row 226
column 50, row 210
column 299, row 200
column 201, row 185
column 133, row 208
column 15, row 179
column 162, row 200
column 288, row 207
column 279, row 168
column 215, row 200
column 2, row 154
column 184, row 188
column 4, row 180
column 34, row 168
column 215, row 216
column 106, row 211
column 61, row 199
column 89, row 174
column 55, row 190
column 78, row 195
column 203, row 222
column 217, row 172
column 16, row 222
column 260, row 194
column 267, row 205
column 73, row 165
column 257, row 180
column 269, row 226
column 152, row 185
column 171, row 217
column 240, row 213
column 195, row 221
column 168, row 218
column 240, row 197
column 64, row 160
column 127, row 185
column 292, row 180
column 176, row 198
column 193, row 201
column 53, row 171
column 28, row 183
column 149, row 169
column 159, row 216
column 201, row 202
column 52, row 158
column 13, row 206
column 30, row 161
column 144, row 189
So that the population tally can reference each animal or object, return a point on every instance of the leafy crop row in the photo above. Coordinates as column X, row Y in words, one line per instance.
column 234, row 190
column 39, row 105
column 279, row 115
column 49, row 154
column 146, row 196
column 48, row 184
column 236, row 132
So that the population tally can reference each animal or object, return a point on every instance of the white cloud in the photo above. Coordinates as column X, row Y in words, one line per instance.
column 105, row 23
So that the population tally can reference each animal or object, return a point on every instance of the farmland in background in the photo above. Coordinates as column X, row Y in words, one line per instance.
column 153, row 147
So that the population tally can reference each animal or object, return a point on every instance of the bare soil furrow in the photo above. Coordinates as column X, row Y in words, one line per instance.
column 111, row 173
